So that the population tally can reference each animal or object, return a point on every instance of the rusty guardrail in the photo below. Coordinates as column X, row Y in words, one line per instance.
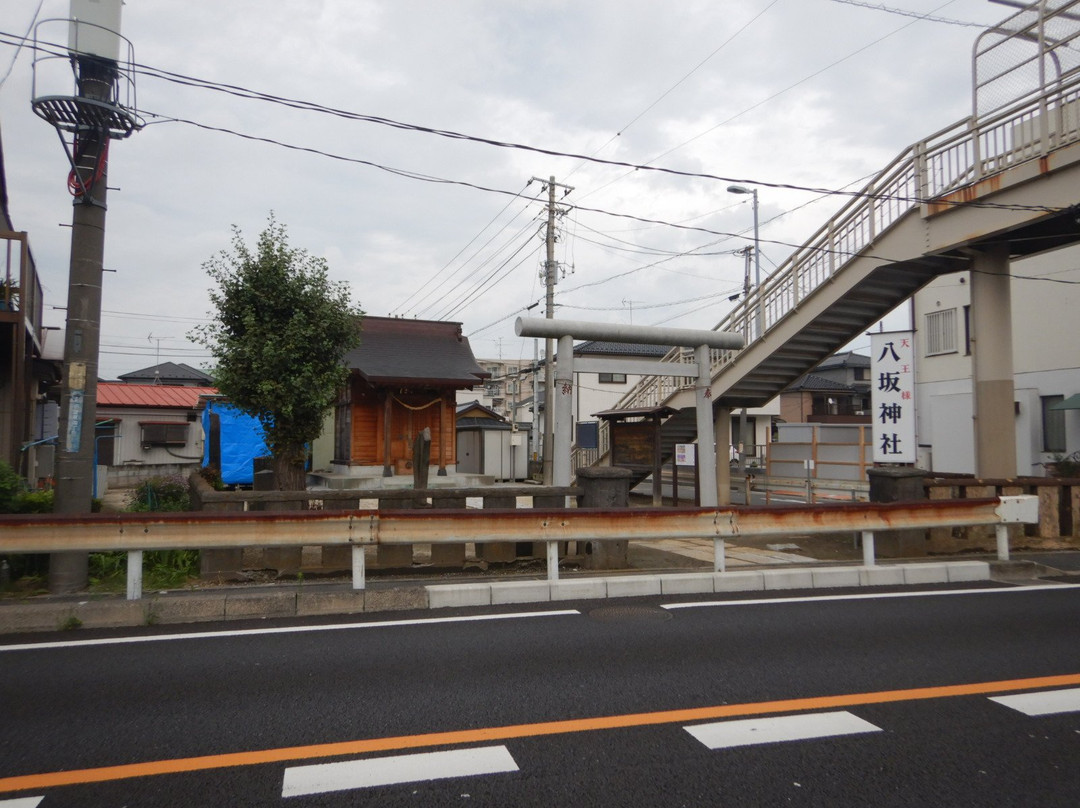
column 135, row 533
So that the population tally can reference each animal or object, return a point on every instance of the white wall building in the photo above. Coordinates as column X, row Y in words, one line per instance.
column 1045, row 291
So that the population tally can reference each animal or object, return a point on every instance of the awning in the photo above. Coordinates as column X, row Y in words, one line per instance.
column 1071, row 403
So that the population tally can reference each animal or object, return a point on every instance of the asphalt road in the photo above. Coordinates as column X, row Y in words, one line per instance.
column 581, row 704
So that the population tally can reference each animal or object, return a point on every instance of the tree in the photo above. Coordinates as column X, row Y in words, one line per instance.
column 279, row 340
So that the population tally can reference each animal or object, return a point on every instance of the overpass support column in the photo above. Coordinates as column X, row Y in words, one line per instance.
column 706, row 435
column 723, row 453
column 992, row 365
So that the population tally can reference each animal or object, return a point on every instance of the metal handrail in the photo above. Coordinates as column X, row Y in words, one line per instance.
column 964, row 152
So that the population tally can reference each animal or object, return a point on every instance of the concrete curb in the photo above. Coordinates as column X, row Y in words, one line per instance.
column 230, row 604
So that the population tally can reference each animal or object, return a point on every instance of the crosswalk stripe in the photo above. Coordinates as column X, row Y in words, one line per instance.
column 382, row 771
column 1047, row 702
column 752, row 731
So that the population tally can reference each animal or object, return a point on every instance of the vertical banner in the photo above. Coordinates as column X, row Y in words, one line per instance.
column 892, row 387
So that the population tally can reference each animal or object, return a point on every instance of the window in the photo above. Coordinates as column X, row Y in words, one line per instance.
column 163, row 434
column 612, row 378
column 861, row 374
column 1053, row 424
column 941, row 332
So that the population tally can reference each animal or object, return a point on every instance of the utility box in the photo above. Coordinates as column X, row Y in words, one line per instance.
column 94, row 28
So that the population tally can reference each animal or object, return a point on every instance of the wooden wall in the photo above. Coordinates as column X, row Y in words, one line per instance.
column 410, row 412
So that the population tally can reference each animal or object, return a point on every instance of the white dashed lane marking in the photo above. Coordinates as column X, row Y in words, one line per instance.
column 751, row 731
column 22, row 802
column 383, row 771
column 1047, row 702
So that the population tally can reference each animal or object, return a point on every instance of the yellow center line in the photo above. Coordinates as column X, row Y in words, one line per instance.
column 360, row 747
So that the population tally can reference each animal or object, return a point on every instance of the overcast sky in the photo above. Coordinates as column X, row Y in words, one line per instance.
column 812, row 93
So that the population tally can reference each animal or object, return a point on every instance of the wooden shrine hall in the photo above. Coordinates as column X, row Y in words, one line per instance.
column 404, row 378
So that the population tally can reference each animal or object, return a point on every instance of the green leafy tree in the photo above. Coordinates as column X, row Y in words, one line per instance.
column 279, row 341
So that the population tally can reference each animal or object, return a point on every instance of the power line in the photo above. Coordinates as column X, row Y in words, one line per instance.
column 453, row 135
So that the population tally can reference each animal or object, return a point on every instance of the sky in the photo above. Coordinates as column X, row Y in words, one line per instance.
column 816, row 94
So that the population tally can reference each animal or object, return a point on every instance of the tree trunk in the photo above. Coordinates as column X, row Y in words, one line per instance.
column 289, row 470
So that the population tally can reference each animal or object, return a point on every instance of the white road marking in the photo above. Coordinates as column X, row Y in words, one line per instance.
column 776, row 729
column 383, row 771
column 870, row 596
column 1047, row 702
column 200, row 635
column 22, row 802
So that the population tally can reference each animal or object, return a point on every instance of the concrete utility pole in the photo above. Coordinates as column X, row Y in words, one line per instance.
column 92, row 117
column 75, row 455
column 551, row 271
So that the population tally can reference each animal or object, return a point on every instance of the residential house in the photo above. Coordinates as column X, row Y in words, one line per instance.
column 148, row 430
column 1045, row 299
column 169, row 373
column 404, row 378
column 29, row 370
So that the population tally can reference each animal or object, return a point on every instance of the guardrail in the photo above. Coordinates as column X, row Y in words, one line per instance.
column 136, row 533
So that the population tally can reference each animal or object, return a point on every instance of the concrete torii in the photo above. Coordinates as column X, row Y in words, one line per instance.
column 566, row 331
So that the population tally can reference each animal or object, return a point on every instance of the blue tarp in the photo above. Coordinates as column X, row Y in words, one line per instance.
column 241, row 442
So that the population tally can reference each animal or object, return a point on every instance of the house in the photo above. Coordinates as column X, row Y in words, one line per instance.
column 29, row 369
column 169, row 373
column 148, row 430
column 403, row 379
column 1044, row 291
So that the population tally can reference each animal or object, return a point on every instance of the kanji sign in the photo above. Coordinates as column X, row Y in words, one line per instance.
column 892, row 393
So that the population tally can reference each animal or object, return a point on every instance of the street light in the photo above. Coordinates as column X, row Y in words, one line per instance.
column 740, row 189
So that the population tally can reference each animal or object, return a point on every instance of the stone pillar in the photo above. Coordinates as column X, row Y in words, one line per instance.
column 723, row 456
column 898, row 484
column 285, row 560
column 992, row 365
column 605, row 487
column 448, row 555
column 503, row 552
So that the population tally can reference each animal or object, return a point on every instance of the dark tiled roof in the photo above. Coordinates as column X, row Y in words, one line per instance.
column 397, row 351
column 850, row 359
column 812, row 382
column 600, row 348
column 478, row 410
column 168, row 372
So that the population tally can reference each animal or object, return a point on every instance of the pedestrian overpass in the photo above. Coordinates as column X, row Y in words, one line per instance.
column 1002, row 183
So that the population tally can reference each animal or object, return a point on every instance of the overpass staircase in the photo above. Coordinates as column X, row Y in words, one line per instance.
column 1008, row 175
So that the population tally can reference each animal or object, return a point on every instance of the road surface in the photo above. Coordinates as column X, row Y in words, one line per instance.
column 964, row 697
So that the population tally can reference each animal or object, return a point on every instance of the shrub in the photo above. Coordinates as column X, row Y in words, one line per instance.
column 11, row 485
column 170, row 493
column 35, row 502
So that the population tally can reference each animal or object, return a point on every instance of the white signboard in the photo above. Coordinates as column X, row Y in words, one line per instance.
column 685, row 454
column 892, row 394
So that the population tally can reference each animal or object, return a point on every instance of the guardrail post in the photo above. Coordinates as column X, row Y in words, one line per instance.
column 719, row 548
column 358, row 567
column 1002, row 533
column 134, row 574
column 552, row 561
column 868, row 558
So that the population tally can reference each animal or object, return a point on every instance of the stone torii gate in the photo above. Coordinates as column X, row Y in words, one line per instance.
column 566, row 331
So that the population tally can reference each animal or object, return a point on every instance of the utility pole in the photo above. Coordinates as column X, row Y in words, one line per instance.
column 551, row 271
column 93, row 117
